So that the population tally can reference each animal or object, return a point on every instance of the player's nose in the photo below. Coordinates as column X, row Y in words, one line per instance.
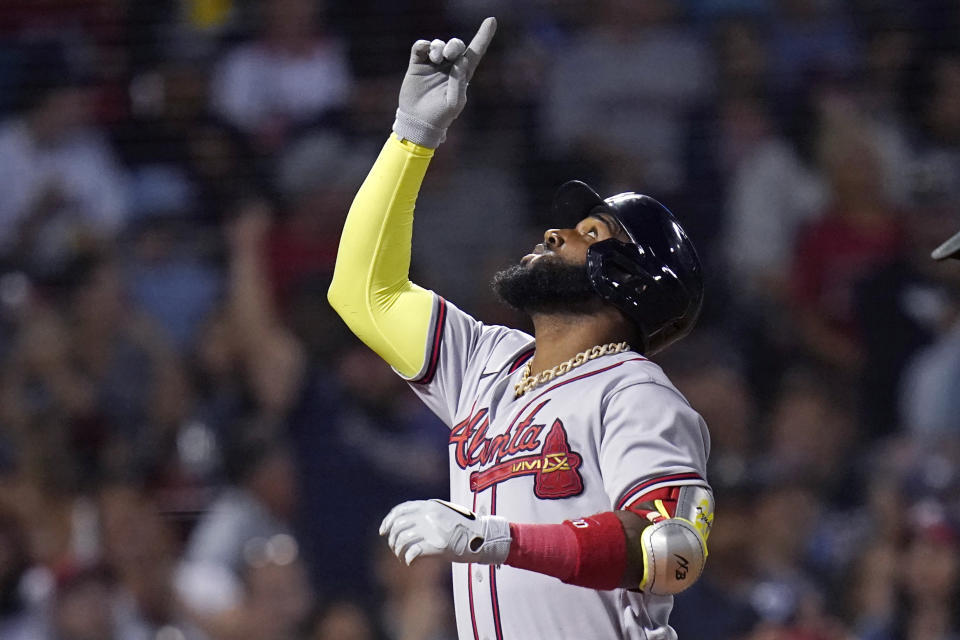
column 553, row 239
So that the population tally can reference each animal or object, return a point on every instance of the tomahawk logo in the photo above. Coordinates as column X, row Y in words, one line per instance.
column 554, row 467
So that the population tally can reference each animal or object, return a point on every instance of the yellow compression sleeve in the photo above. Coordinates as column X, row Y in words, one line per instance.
column 371, row 289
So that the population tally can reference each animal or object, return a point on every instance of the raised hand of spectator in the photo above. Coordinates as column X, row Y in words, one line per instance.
column 250, row 227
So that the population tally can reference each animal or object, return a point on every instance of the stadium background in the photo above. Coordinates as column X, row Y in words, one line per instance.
column 191, row 444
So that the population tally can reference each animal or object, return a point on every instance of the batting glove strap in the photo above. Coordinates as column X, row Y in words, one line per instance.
column 417, row 131
column 673, row 556
column 493, row 546
column 446, row 530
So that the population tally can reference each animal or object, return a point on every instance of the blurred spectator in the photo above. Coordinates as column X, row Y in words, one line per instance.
column 810, row 38
column 743, row 64
column 271, row 357
column 937, row 163
column 717, row 10
column 889, row 51
column 772, row 192
column 45, row 398
column 877, row 518
column 903, row 305
column 221, row 168
column 769, row 188
column 90, row 35
column 709, row 375
column 169, row 278
column 343, row 620
column 627, row 120
column 907, row 302
column 872, row 596
column 367, row 426
column 392, row 26
column 249, row 514
column 196, row 165
column 810, row 432
column 783, row 591
column 278, row 597
column 93, row 376
column 930, row 391
column 292, row 75
column 185, row 30
column 317, row 177
column 859, row 230
column 931, row 577
column 181, row 187
column 771, row 185
column 140, row 549
column 62, row 184
column 414, row 604
column 82, row 608
column 924, row 586
column 248, row 362
column 19, row 615
column 135, row 376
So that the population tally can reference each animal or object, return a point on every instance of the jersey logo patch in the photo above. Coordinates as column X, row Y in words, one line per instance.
column 554, row 467
column 559, row 477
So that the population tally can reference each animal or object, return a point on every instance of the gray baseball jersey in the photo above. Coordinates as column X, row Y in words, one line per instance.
column 591, row 440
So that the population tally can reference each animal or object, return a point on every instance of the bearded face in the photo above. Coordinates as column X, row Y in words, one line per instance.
column 552, row 278
column 547, row 286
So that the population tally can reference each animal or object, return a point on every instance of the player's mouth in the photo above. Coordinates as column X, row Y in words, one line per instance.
column 538, row 251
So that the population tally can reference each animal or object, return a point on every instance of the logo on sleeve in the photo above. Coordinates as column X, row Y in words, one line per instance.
column 555, row 467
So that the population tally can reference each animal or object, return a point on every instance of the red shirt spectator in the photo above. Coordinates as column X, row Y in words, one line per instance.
column 832, row 255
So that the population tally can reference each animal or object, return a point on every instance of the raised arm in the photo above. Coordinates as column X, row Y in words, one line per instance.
column 371, row 289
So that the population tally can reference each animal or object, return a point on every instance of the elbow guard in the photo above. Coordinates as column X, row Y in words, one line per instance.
column 674, row 554
column 675, row 548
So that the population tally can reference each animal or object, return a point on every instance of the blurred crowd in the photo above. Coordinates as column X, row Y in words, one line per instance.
column 192, row 446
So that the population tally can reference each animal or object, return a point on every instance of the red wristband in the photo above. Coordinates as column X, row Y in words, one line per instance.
column 587, row 552
column 550, row 549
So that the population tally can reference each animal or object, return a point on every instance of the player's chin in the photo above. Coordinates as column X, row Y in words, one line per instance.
column 548, row 283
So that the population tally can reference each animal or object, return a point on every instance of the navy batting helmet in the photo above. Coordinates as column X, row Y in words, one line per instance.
column 656, row 280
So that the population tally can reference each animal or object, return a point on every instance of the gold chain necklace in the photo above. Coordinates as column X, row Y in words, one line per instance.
column 528, row 382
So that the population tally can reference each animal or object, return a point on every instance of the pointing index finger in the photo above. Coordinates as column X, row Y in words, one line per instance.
column 478, row 46
column 484, row 35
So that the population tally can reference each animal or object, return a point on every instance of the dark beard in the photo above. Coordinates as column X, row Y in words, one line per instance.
column 547, row 287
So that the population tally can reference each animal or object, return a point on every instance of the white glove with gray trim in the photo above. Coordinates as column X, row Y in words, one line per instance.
column 441, row 528
column 434, row 91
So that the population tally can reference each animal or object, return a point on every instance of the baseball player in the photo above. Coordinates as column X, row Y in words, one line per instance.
column 579, row 503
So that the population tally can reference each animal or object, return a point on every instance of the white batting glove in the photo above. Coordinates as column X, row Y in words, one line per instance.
column 440, row 528
column 434, row 91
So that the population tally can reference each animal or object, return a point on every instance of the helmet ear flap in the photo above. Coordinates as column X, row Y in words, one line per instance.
column 634, row 281
column 613, row 265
